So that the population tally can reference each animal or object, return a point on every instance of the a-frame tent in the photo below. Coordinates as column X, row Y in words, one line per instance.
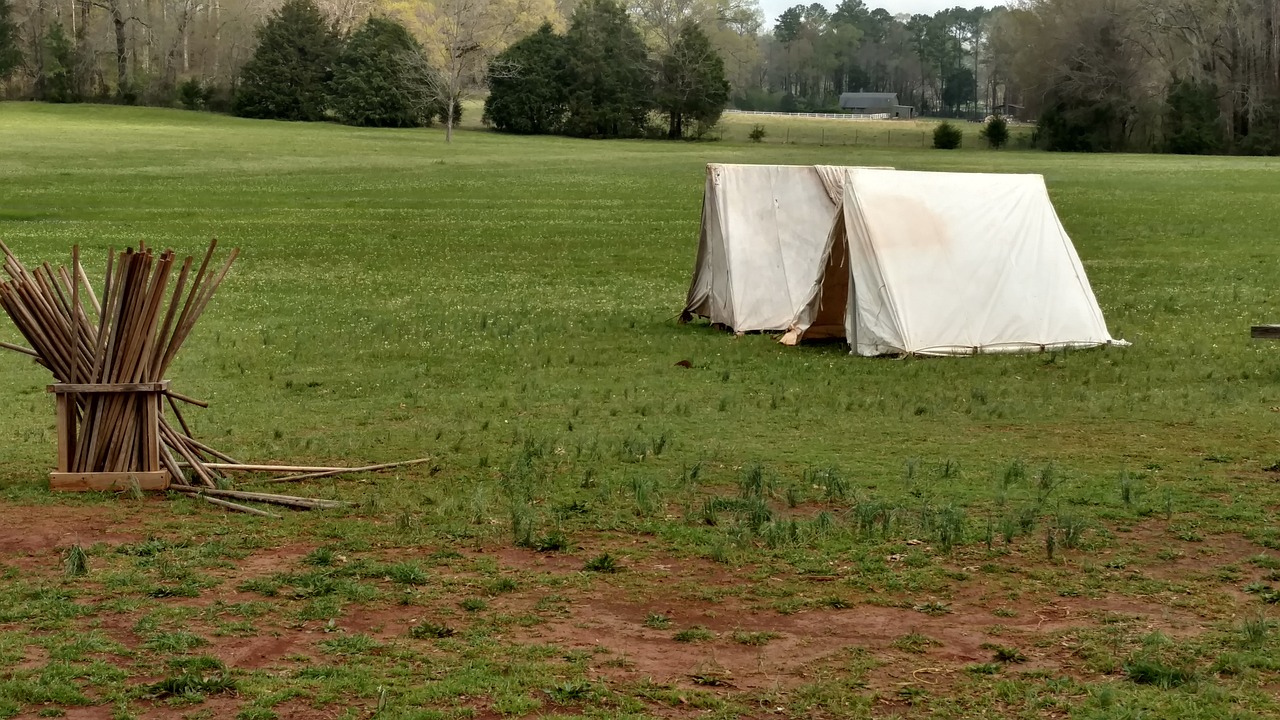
column 762, row 243
column 936, row 263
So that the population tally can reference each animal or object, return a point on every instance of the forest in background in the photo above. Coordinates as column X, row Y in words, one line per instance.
column 1189, row 76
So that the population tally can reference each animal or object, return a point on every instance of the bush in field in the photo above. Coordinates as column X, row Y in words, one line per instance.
column 609, row 78
column 381, row 79
column 757, row 133
column 946, row 136
column 288, row 76
column 996, row 132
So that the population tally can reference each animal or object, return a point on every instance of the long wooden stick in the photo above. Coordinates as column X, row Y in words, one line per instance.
column 239, row 508
column 20, row 349
column 250, row 467
column 270, row 498
column 329, row 473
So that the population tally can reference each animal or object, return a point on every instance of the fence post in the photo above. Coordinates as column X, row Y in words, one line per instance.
column 787, row 141
column 824, row 137
column 889, row 142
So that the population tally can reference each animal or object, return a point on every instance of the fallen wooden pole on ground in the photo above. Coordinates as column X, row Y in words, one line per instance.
column 1265, row 332
column 239, row 508
column 269, row 498
column 343, row 471
column 251, row 467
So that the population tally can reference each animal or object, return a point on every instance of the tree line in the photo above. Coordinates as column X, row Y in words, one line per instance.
column 1191, row 76
column 597, row 80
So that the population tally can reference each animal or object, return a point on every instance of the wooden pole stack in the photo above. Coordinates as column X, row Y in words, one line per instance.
column 109, row 358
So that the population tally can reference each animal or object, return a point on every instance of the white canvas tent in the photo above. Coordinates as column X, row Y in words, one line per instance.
column 949, row 264
column 763, row 239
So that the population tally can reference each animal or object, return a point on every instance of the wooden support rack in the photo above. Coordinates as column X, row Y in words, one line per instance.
column 132, row 412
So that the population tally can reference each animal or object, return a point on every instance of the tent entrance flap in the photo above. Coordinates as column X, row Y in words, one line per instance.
column 833, row 297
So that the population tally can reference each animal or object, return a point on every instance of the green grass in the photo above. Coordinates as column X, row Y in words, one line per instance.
column 845, row 133
column 506, row 306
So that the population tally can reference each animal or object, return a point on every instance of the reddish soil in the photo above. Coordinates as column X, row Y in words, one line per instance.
column 38, row 535
column 604, row 615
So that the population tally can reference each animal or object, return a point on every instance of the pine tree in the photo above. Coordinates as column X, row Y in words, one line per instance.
column 609, row 78
column 10, row 51
column 691, row 84
column 288, row 76
column 57, row 82
column 527, row 85
column 381, row 78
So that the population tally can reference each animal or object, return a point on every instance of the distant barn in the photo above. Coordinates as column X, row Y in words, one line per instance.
column 875, row 103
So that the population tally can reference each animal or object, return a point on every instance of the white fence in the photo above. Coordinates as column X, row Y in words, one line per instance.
column 829, row 116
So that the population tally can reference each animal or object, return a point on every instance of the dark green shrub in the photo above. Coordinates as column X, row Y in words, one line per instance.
column 57, row 81
column 191, row 94
column 381, row 79
column 996, row 132
column 691, row 87
column 1192, row 121
column 288, row 76
column 757, row 133
column 947, row 136
column 527, row 93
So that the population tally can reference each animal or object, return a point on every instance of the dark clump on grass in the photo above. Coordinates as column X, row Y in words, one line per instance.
column 697, row 633
column 743, row 637
column 1150, row 671
column 1003, row 654
column 604, row 563
column 188, row 685
column 76, row 563
column 431, row 631
column 657, row 621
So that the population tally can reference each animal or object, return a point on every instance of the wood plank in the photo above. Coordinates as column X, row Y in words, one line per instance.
column 66, row 432
column 102, row 481
column 1265, row 332
column 93, row 389
column 151, row 432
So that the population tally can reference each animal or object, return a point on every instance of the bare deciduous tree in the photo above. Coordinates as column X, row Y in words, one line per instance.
column 462, row 38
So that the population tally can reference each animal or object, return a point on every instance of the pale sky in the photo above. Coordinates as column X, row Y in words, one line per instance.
column 773, row 8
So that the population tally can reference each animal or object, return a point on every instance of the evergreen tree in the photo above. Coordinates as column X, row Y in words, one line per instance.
column 381, row 78
column 527, row 91
column 609, row 78
column 57, row 81
column 691, row 85
column 1192, row 123
column 288, row 76
column 10, row 51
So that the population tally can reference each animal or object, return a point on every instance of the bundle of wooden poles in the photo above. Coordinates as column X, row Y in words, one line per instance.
column 110, row 356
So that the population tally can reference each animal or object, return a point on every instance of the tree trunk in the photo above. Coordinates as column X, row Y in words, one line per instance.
column 122, row 58
column 448, row 120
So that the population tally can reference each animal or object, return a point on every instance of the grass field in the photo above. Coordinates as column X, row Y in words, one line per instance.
column 774, row 532
column 904, row 134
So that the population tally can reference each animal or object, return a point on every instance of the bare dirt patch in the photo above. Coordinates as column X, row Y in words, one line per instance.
column 29, row 534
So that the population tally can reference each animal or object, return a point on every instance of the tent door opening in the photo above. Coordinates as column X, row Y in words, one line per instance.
column 833, row 298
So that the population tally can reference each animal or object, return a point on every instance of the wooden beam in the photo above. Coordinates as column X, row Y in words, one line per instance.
column 1265, row 332
column 81, row 482
column 88, row 389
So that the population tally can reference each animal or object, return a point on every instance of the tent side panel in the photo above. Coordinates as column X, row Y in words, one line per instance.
column 872, row 324
column 972, row 263
column 775, row 220
column 698, row 300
